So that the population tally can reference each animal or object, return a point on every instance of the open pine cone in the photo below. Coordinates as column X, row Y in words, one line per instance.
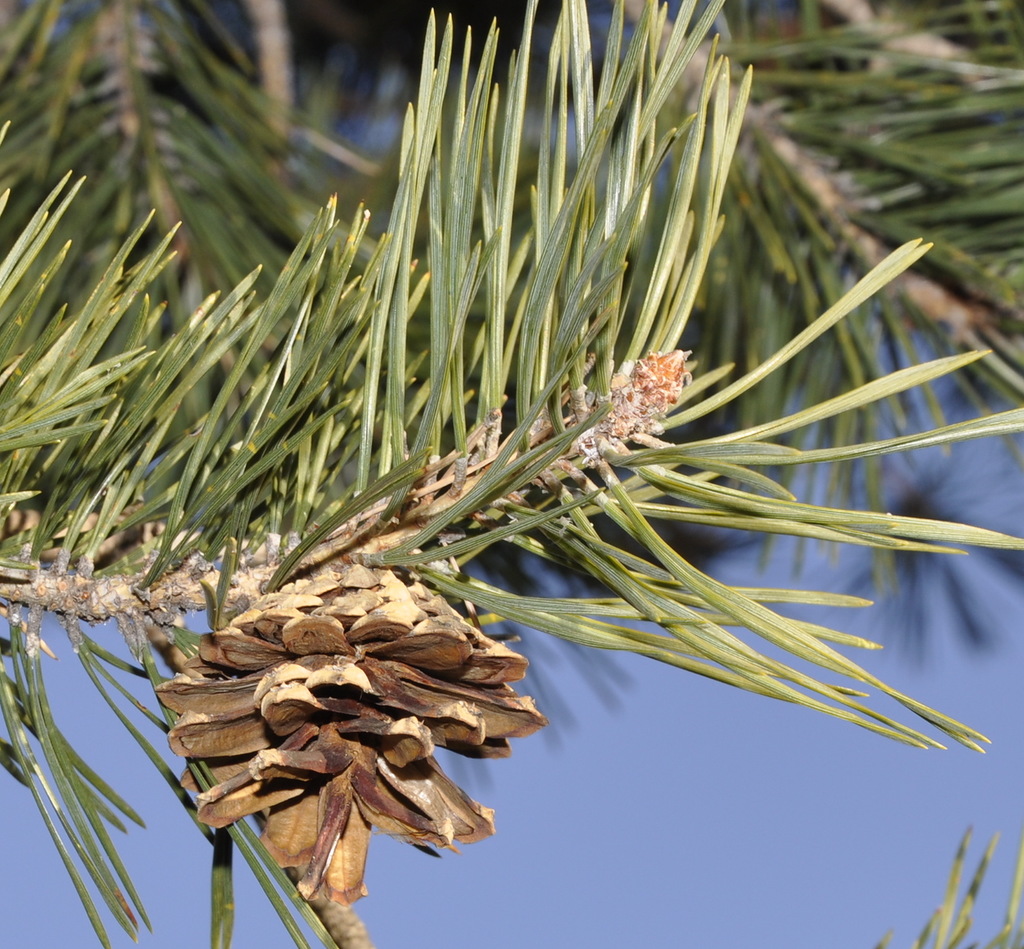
column 320, row 707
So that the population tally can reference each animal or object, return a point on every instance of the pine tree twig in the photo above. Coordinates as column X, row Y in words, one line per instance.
column 342, row 922
column 960, row 314
column 963, row 316
column 98, row 599
column 126, row 45
column 899, row 38
column 272, row 37
column 339, row 152
column 9, row 9
column 641, row 393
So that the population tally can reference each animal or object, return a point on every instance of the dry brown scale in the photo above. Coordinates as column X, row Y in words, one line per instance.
column 320, row 708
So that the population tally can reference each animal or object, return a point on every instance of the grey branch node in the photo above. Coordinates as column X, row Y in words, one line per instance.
column 133, row 631
column 273, row 548
column 73, row 627
column 61, row 562
column 33, row 630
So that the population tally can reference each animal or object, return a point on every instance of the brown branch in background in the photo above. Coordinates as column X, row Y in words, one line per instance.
column 273, row 41
column 165, row 648
column 124, row 42
column 340, row 152
column 965, row 317
column 116, row 39
column 860, row 13
column 969, row 314
column 935, row 301
column 9, row 9
column 849, row 11
column 269, row 22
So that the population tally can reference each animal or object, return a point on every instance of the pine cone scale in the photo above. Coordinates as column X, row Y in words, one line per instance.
column 291, row 835
column 197, row 735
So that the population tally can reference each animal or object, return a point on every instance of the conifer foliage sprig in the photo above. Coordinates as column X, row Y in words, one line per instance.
column 550, row 400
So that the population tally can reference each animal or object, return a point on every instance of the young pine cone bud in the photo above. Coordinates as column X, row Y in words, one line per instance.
column 320, row 708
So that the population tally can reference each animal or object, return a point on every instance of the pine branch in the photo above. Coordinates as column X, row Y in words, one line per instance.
column 234, row 466
column 273, row 42
column 342, row 922
column 317, row 456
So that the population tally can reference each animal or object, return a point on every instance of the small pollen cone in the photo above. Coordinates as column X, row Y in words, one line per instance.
column 320, row 708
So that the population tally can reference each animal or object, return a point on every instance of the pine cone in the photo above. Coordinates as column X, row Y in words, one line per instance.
column 321, row 707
